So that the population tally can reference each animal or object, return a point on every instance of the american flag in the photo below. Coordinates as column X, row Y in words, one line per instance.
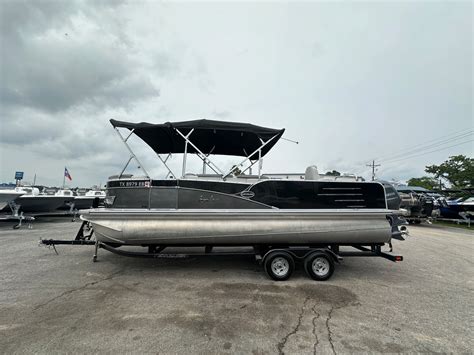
column 66, row 174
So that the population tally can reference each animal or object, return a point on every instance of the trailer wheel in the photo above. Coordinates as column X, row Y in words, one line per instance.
column 279, row 265
column 319, row 266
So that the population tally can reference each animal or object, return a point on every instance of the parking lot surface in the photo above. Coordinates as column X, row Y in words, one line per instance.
column 66, row 303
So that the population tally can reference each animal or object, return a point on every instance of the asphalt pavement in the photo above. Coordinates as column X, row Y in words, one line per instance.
column 66, row 303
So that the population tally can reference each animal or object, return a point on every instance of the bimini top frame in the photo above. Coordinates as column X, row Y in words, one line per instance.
column 208, row 138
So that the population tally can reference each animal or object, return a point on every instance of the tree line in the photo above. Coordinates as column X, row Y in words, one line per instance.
column 457, row 173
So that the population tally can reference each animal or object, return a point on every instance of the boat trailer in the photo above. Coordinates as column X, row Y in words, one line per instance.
column 17, row 215
column 278, row 260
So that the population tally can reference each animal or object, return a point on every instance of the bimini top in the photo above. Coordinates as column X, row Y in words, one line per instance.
column 210, row 137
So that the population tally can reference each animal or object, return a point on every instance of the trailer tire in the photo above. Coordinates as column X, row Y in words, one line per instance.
column 279, row 265
column 319, row 266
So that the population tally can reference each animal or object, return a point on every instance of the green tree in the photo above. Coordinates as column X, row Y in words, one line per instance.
column 333, row 173
column 424, row 181
column 458, row 170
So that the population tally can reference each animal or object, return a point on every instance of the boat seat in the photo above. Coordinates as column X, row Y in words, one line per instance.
column 311, row 173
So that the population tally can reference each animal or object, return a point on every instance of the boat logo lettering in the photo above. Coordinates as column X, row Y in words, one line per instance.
column 207, row 199
column 247, row 194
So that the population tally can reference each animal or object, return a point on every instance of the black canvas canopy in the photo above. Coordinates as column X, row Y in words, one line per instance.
column 210, row 137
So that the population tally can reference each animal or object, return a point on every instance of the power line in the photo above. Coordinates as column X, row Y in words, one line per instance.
column 419, row 148
column 417, row 155
column 433, row 145
column 424, row 153
column 435, row 140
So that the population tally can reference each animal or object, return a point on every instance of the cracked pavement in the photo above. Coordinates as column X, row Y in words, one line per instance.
column 65, row 303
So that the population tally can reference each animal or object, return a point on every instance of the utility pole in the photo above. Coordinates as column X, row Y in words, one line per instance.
column 373, row 165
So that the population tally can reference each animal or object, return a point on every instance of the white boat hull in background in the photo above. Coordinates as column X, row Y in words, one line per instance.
column 6, row 196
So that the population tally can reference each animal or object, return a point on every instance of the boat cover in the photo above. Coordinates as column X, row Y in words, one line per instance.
column 210, row 137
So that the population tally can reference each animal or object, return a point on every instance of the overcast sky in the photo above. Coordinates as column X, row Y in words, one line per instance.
column 350, row 81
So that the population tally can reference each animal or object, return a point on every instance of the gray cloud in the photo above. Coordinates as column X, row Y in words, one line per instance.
column 221, row 114
column 54, row 58
column 350, row 81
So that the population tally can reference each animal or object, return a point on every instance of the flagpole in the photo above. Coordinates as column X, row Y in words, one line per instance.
column 64, row 177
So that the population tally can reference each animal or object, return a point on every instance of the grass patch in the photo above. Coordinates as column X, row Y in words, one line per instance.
column 455, row 225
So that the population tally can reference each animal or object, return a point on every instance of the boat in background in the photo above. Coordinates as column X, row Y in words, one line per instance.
column 68, row 203
column 90, row 199
column 419, row 203
column 29, row 199
column 35, row 203
column 7, row 196
column 459, row 208
column 10, row 210
column 468, row 207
